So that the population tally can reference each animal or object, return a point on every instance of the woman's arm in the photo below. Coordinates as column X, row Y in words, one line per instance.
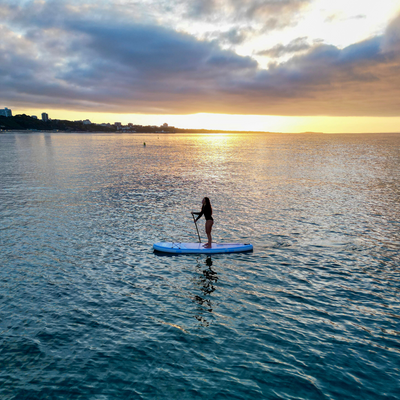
column 199, row 214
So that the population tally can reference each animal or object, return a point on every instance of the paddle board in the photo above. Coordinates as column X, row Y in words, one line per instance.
column 197, row 248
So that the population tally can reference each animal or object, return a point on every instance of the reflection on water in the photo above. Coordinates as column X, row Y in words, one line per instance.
column 205, row 282
column 87, row 310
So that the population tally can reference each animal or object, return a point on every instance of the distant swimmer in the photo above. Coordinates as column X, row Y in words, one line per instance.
column 206, row 209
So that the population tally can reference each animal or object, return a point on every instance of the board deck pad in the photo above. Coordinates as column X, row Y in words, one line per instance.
column 198, row 248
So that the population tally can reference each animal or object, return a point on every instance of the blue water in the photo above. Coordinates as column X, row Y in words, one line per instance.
column 88, row 311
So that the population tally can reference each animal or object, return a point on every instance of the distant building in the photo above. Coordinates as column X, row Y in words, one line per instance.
column 118, row 125
column 6, row 112
column 130, row 125
column 86, row 122
column 165, row 125
column 45, row 117
column 34, row 116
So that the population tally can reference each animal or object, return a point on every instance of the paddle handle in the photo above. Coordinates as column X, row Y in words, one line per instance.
column 197, row 229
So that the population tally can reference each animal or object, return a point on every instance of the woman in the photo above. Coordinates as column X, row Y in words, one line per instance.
column 206, row 209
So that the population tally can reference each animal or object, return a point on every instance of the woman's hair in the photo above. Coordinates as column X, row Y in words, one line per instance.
column 208, row 203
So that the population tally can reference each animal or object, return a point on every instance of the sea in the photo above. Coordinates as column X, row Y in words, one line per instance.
column 89, row 311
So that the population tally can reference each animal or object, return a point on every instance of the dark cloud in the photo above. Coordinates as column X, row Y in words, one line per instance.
column 296, row 45
column 201, row 8
column 231, row 37
column 112, row 66
column 87, row 61
column 234, row 36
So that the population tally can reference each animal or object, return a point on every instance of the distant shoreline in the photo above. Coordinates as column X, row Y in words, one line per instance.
column 26, row 123
column 178, row 131
column 190, row 131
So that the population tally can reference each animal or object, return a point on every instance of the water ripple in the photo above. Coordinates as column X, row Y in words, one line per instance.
column 87, row 310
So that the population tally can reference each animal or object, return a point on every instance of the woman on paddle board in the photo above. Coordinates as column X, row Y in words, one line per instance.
column 206, row 209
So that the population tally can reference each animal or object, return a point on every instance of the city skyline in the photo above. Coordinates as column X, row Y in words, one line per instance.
column 293, row 65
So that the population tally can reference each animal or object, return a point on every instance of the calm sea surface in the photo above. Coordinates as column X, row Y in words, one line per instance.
column 88, row 311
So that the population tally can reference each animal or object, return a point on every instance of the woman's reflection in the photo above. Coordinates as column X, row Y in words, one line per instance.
column 205, row 282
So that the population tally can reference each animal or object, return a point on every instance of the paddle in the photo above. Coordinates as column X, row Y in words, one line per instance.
column 197, row 229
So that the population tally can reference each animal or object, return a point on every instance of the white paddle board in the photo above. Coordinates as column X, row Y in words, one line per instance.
column 198, row 248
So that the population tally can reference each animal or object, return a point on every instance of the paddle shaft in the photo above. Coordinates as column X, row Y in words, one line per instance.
column 197, row 229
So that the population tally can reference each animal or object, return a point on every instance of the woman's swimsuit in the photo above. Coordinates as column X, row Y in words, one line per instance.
column 207, row 211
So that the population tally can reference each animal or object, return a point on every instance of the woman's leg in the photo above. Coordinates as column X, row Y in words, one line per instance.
column 209, row 225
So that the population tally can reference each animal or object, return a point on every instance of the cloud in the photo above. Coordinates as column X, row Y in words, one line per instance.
column 122, row 67
column 359, row 80
column 233, row 36
column 341, row 17
column 296, row 45
column 87, row 61
column 274, row 13
column 202, row 8
column 268, row 14
column 392, row 36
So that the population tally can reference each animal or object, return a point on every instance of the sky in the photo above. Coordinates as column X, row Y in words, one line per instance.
column 271, row 65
